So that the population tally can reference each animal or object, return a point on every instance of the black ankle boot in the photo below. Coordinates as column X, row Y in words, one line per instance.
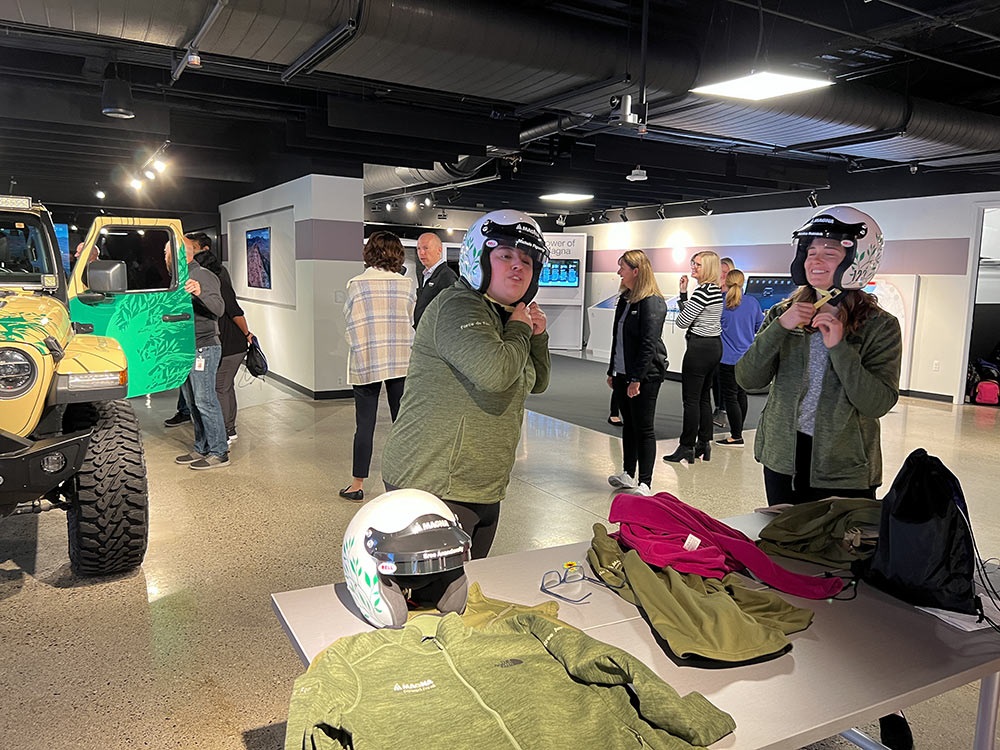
column 703, row 450
column 683, row 453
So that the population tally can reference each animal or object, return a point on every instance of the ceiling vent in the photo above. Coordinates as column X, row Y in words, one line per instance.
column 636, row 175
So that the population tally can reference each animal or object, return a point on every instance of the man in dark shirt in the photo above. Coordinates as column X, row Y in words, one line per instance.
column 437, row 275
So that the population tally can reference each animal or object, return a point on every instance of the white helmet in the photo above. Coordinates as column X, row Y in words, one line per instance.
column 858, row 233
column 405, row 540
column 511, row 229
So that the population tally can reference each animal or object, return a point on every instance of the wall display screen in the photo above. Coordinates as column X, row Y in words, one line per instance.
column 62, row 237
column 560, row 273
column 769, row 289
column 259, row 258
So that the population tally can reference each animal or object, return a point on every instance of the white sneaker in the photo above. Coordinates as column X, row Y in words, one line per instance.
column 621, row 481
column 642, row 489
column 230, row 439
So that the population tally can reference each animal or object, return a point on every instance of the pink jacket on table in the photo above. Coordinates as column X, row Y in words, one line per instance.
column 658, row 527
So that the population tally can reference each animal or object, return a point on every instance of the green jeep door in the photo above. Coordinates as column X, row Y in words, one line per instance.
column 152, row 318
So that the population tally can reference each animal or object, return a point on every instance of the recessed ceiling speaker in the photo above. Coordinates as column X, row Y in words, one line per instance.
column 116, row 100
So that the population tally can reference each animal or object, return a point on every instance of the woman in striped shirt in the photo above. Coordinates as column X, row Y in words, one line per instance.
column 701, row 315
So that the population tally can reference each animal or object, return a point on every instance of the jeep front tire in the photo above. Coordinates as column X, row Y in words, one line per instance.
column 108, row 513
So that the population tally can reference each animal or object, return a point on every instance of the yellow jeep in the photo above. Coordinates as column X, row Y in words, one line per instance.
column 69, row 439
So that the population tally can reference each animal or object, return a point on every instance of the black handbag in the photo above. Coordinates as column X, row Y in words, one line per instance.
column 926, row 553
column 255, row 361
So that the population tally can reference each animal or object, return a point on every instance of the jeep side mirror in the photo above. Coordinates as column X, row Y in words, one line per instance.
column 107, row 276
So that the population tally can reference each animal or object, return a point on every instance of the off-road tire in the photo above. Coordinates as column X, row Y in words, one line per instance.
column 108, row 514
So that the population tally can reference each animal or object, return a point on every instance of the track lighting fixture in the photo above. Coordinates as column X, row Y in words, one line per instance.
column 661, row 212
column 411, row 204
column 427, row 201
column 705, row 209
column 100, row 194
column 590, row 219
column 813, row 199
column 623, row 216
column 603, row 217
column 561, row 220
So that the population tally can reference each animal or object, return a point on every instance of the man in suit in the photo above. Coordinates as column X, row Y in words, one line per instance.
column 437, row 275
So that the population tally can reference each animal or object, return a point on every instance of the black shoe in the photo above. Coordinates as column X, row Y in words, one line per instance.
column 683, row 453
column 177, row 420
column 616, row 421
column 357, row 496
column 703, row 450
column 730, row 441
column 894, row 732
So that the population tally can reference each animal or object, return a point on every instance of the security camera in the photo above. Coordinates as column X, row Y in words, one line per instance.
column 913, row 169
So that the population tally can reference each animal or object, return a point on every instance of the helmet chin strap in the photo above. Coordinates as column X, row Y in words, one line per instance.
column 508, row 308
column 827, row 296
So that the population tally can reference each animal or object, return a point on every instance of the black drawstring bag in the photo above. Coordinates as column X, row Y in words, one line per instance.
column 255, row 360
column 925, row 554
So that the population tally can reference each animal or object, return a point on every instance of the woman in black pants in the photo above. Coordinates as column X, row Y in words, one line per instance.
column 701, row 315
column 638, row 367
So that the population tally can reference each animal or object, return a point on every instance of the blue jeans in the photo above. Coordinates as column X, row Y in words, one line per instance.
column 206, row 414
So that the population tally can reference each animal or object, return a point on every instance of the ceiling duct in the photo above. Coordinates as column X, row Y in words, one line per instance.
column 380, row 179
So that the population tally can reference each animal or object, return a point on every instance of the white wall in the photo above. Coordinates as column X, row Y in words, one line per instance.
column 304, row 337
column 945, row 293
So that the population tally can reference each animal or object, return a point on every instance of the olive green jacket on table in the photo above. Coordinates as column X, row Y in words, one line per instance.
column 861, row 384
column 460, row 416
column 523, row 683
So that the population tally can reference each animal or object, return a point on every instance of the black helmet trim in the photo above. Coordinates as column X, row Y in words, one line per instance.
column 520, row 236
column 825, row 225
column 430, row 544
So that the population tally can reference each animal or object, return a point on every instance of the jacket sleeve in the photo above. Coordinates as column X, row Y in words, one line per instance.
column 233, row 309
column 468, row 339
column 542, row 360
column 652, row 313
column 692, row 717
column 619, row 308
column 211, row 292
column 870, row 376
column 320, row 698
column 758, row 366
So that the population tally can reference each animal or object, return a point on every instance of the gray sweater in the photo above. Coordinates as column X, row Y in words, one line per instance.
column 208, row 306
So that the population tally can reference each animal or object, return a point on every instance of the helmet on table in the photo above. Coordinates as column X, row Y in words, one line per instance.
column 858, row 233
column 508, row 228
column 405, row 540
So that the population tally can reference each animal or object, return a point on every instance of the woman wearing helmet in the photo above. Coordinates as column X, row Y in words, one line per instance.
column 831, row 356
column 480, row 349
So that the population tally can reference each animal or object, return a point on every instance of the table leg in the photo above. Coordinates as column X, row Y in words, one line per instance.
column 986, row 719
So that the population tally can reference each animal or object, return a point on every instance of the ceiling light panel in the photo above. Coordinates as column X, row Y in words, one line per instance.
column 759, row 86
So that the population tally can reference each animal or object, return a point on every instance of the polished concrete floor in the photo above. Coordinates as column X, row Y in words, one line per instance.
column 187, row 653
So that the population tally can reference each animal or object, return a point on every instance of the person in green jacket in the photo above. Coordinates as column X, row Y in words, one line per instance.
column 480, row 349
column 831, row 356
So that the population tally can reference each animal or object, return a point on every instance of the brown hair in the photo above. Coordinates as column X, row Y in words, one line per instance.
column 854, row 309
column 645, row 282
column 734, row 288
column 384, row 250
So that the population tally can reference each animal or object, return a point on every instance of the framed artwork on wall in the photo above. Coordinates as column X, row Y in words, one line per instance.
column 259, row 258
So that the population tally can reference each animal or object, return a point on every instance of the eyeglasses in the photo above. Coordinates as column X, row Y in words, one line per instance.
column 572, row 573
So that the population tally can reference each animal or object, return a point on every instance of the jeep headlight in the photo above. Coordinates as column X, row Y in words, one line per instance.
column 17, row 373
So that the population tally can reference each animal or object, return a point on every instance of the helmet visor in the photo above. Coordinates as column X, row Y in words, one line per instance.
column 825, row 225
column 520, row 236
column 430, row 544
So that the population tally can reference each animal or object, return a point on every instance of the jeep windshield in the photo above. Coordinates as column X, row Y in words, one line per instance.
column 25, row 254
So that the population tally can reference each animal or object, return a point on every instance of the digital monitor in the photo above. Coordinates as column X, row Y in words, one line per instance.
column 560, row 273
column 62, row 237
column 769, row 289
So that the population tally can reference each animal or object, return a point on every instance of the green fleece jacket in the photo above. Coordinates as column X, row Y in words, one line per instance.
column 524, row 682
column 460, row 417
column 861, row 384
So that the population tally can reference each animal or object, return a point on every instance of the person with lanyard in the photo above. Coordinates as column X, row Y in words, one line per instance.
column 480, row 349
column 701, row 316
column 437, row 275
column 638, row 366
column 831, row 357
